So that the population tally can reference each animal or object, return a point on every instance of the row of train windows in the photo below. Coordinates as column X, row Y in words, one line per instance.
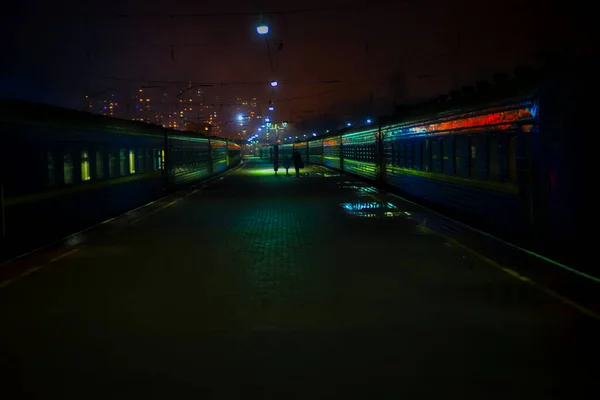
column 186, row 156
column 92, row 165
column 360, row 152
column 479, row 157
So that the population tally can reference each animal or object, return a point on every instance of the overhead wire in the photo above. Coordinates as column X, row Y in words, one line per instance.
column 166, row 83
column 359, row 5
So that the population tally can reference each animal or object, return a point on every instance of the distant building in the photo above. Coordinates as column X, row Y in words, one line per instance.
column 106, row 104
column 202, row 128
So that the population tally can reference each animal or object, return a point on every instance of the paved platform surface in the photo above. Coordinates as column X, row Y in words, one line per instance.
column 263, row 286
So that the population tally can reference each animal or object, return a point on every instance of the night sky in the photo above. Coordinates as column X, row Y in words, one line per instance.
column 379, row 52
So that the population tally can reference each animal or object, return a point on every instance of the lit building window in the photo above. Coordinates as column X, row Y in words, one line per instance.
column 85, row 166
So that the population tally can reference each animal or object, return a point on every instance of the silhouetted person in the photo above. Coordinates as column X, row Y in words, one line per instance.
column 287, row 163
column 276, row 158
column 298, row 163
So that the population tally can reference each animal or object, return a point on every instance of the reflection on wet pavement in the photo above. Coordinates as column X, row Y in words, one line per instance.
column 372, row 209
column 361, row 190
column 76, row 240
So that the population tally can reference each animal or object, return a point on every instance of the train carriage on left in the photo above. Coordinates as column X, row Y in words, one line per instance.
column 62, row 170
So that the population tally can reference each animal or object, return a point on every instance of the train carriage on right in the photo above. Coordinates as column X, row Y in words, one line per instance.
column 474, row 163
column 505, row 165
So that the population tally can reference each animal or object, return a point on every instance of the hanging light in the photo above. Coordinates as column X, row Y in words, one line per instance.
column 262, row 28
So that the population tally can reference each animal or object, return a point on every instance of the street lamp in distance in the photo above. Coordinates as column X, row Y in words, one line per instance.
column 262, row 28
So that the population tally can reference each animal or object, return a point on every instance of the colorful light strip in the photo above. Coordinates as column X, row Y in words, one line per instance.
column 497, row 118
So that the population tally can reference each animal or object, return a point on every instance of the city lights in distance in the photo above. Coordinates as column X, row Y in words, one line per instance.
column 369, row 120
column 274, row 83
column 240, row 117
column 314, row 134
column 268, row 119
column 260, row 129
column 349, row 124
column 271, row 108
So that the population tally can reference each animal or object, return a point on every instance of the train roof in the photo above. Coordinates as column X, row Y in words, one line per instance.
column 504, row 93
column 500, row 95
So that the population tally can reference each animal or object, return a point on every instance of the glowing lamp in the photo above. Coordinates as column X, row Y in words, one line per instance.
column 262, row 28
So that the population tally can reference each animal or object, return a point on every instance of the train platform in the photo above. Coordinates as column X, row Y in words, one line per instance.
column 252, row 285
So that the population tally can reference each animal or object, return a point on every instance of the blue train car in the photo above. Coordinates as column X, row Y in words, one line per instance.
column 189, row 159
column 62, row 170
column 332, row 152
column 315, row 152
column 360, row 153
column 466, row 162
column 502, row 161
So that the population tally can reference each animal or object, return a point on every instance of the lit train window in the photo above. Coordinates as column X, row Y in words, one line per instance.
column 112, row 164
column 68, row 168
column 448, row 159
column 436, row 152
column 162, row 159
column 402, row 154
column 426, row 155
column 122, row 162
column 85, row 166
column 50, row 160
column 140, row 160
column 149, row 159
column 99, row 165
column 131, row 161
column 512, row 159
column 461, row 153
column 473, row 154
column 494, row 173
column 415, row 151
